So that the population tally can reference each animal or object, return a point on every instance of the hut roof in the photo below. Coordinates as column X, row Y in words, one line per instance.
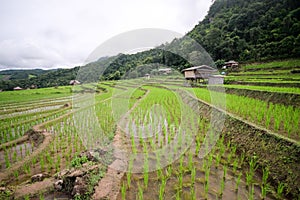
column 74, row 82
column 202, row 67
column 231, row 62
column 18, row 88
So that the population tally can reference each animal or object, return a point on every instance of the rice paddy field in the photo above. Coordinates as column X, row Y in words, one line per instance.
column 156, row 138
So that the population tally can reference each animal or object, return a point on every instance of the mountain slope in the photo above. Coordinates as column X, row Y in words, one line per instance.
column 250, row 30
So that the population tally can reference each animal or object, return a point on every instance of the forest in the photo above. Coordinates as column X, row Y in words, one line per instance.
column 245, row 31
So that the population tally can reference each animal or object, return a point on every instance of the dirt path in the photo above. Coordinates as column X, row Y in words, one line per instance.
column 35, row 188
column 110, row 185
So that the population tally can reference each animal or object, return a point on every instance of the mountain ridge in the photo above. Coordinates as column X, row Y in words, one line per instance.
column 246, row 31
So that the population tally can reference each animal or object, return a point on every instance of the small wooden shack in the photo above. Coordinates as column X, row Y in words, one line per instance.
column 198, row 72
column 231, row 64
column 147, row 76
column 74, row 82
column 18, row 88
column 165, row 71
column 216, row 80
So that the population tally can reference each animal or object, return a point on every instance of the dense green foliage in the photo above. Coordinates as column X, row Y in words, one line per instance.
column 250, row 30
column 242, row 30
column 233, row 29
column 46, row 79
column 21, row 74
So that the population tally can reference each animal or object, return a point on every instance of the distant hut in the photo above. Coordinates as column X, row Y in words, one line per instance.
column 33, row 87
column 147, row 76
column 198, row 72
column 231, row 64
column 18, row 88
column 216, row 80
column 74, row 82
column 165, row 71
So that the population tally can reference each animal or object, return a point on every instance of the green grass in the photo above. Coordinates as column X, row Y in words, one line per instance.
column 36, row 94
column 31, row 76
column 293, row 90
column 276, row 64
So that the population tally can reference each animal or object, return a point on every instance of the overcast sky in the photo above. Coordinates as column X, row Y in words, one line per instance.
column 63, row 33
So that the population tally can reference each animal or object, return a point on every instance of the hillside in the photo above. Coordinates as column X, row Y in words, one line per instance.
column 15, row 74
column 44, row 79
column 250, row 30
column 245, row 31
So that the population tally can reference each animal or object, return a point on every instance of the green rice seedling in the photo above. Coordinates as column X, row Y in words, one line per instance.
column 252, row 168
column 251, row 192
column 27, row 169
column 210, row 159
column 128, row 176
column 235, row 165
column 224, row 171
column 140, row 192
column 193, row 192
column 16, row 174
column 21, row 151
column 190, row 161
column 33, row 160
column 57, row 163
column 264, row 185
column 180, row 177
column 41, row 196
column 218, row 159
column 181, row 167
column 162, row 188
column 169, row 171
column 222, row 187
column 178, row 197
column 27, row 197
column 123, row 191
column 206, row 187
column 238, row 180
column 193, row 175
column 146, row 179
column 249, row 178
column 7, row 161
column 15, row 156
column 279, row 191
column 42, row 163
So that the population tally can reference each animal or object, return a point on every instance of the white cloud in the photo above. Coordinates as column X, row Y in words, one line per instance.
column 60, row 33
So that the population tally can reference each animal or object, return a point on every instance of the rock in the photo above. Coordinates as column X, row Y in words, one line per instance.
column 38, row 177
column 92, row 156
column 76, row 173
column 79, row 186
column 58, row 185
column 61, row 174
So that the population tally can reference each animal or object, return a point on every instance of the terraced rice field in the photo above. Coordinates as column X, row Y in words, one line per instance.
column 161, row 140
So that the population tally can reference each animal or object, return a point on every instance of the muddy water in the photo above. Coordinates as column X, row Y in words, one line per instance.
column 20, row 151
column 215, row 179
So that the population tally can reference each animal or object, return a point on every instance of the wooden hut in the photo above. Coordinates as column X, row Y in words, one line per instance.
column 198, row 72
column 18, row 88
column 216, row 80
column 165, row 71
column 74, row 82
column 231, row 64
